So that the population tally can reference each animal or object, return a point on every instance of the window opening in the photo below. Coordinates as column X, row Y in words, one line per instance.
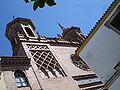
column 116, row 21
column 91, row 81
column 21, row 80
column 29, row 32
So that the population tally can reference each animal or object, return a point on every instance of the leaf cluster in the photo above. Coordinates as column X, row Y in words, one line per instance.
column 41, row 3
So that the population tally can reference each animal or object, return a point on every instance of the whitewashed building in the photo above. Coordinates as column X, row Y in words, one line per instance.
column 101, row 49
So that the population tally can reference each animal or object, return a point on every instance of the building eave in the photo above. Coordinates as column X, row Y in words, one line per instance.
column 14, row 61
column 14, row 58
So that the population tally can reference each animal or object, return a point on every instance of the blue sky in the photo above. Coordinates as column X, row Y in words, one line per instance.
column 80, row 13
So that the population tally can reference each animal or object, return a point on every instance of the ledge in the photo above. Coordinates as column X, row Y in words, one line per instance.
column 14, row 61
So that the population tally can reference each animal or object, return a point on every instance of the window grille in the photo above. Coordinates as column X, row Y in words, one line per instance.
column 45, row 61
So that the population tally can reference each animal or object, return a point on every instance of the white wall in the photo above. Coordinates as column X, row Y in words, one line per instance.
column 115, row 85
column 102, row 52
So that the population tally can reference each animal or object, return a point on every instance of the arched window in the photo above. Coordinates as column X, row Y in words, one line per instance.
column 21, row 80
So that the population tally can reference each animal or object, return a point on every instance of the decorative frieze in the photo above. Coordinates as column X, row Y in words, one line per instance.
column 14, row 61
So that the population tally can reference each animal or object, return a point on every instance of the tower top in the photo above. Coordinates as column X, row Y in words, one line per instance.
column 72, row 34
column 66, row 30
column 15, row 21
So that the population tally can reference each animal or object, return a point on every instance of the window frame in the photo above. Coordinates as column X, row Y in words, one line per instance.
column 108, row 23
column 32, row 33
column 28, row 26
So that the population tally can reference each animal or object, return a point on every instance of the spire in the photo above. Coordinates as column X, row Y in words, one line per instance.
column 61, row 26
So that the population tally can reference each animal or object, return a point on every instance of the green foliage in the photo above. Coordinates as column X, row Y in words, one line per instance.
column 41, row 3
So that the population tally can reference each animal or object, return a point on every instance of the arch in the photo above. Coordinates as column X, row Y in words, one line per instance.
column 21, row 80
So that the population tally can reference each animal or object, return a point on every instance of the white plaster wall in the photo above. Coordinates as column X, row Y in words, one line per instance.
column 102, row 52
column 2, row 82
column 115, row 85
column 61, row 83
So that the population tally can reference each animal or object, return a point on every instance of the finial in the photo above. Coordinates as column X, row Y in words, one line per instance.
column 13, row 17
column 61, row 26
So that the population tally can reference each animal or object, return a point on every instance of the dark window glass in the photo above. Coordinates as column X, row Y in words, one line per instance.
column 116, row 21
column 21, row 80
column 29, row 32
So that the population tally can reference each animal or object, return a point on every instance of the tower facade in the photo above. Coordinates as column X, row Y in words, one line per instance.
column 42, row 63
